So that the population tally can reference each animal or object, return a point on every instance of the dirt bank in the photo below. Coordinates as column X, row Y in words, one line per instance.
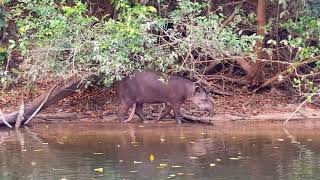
column 99, row 104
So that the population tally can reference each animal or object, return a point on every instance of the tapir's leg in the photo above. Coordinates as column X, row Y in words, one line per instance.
column 139, row 111
column 165, row 112
column 123, row 110
column 176, row 110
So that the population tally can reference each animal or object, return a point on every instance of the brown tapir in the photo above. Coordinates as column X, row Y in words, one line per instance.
column 153, row 87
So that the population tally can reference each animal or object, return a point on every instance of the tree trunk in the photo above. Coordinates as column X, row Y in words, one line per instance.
column 255, row 75
column 61, row 91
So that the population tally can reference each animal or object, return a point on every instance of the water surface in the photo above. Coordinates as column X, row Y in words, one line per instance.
column 56, row 151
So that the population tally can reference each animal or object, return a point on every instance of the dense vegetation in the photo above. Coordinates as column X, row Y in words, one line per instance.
column 219, row 41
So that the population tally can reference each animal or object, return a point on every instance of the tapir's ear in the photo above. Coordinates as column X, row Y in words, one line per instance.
column 197, row 89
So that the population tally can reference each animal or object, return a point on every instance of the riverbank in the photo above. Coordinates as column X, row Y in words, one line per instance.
column 99, row 105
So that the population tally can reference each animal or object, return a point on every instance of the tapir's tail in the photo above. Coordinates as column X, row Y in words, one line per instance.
column 131, row 113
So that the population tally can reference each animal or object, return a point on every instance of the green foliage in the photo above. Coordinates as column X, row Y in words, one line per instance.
column 304, row 38
column 205, row 35
column 61, row 39
column 77, row 42
column 312, row 8
column 3, row 25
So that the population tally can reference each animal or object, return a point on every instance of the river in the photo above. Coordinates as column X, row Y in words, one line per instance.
column 77, row 150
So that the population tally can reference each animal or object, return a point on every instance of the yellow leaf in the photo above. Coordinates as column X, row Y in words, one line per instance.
column 163, row 165
column 100, row 170
column 151, row 157
column 2, row 50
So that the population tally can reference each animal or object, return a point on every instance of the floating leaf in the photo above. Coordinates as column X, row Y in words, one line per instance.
column 163, row 165
column 151, row 157
column 234, row 158
column 97, row 153
column 100, row 170
column 176, row 166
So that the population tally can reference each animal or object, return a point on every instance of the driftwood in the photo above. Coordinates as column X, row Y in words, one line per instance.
column 3, row 119
column 20, row 116
column 41, row 105
column 61, row 91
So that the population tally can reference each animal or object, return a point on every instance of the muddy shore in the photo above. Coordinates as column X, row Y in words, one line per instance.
column 99, row 105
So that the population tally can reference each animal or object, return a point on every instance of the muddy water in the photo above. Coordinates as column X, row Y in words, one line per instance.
column 113, row 151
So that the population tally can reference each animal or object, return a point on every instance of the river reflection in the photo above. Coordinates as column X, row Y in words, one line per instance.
column 113, row 151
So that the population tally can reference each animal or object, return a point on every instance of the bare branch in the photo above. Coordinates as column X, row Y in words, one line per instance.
column 4, row 120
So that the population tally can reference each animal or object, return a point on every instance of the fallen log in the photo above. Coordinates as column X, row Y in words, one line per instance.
column 62, row 90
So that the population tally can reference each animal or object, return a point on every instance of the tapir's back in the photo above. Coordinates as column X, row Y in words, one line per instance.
column 154, row 87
